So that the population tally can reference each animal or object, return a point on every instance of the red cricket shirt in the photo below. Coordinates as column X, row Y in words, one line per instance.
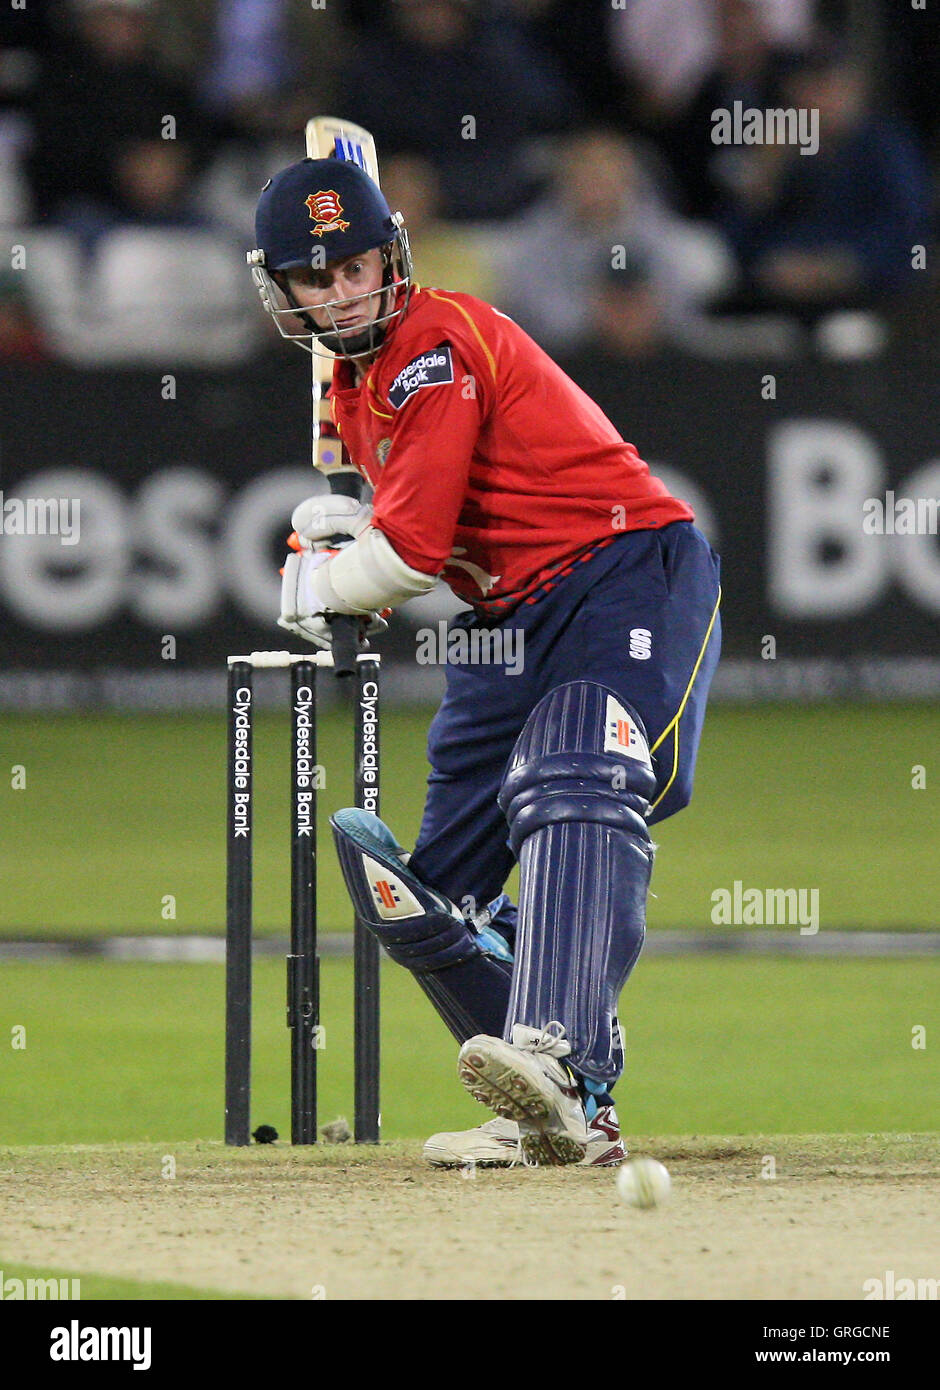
column 487, row 462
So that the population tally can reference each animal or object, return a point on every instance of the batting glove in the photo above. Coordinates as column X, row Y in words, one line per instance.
column 317, row 520
column 302, row 613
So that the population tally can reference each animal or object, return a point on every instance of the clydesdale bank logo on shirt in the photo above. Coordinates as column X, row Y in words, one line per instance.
column 432, row 368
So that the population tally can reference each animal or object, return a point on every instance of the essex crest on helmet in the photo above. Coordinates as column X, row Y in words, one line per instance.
column 326, row 211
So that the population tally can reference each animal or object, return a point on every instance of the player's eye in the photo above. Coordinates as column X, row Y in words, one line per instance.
column 310, row 279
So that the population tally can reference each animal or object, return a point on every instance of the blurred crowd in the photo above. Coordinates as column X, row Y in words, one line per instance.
column 556, row 158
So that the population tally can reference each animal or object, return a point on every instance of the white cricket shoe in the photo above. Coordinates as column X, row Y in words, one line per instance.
column 496, row 1144
column 493, row 1145
column 526, row 1081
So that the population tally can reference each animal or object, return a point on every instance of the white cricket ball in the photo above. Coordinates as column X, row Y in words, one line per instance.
column 643, row 1182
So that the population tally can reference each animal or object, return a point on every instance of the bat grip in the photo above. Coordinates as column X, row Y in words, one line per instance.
column 345, row 627
column 344, row 631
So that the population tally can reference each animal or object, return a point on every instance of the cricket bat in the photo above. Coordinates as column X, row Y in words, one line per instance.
column 328, row 137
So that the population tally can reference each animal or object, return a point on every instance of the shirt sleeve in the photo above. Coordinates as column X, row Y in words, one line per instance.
column 423, row 484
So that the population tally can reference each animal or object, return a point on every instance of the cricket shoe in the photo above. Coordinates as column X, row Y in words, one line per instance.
column 526, row 1081
column 496, row 1144
column 493, row 1145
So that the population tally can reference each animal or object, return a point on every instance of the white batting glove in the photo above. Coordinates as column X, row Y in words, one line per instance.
column 317, row 519
column 302, row 612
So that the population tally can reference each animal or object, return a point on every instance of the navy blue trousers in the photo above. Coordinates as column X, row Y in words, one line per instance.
column 665, row 583
column 658, row 583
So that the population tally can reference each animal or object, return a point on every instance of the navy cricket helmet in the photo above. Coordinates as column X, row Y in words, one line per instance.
column 322, row 210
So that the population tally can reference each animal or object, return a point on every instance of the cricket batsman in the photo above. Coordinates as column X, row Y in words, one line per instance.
column 493, row 471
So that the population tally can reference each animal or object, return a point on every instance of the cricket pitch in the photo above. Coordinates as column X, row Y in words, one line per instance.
column 341, row 1222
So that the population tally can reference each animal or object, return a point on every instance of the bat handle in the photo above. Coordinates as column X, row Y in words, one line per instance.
column 344, row 630
column 344, row 627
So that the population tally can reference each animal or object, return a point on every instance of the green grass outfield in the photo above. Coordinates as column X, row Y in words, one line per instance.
column 716, row 1045
column 122, row 813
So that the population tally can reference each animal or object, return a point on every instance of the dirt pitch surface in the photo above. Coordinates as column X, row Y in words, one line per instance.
column 342, row 1222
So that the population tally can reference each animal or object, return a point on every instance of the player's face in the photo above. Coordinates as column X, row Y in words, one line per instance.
column 341, row 285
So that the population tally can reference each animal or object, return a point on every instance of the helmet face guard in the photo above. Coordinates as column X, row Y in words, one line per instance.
column 297, row 324
column 318, row 212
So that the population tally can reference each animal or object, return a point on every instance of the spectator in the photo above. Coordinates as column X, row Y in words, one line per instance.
column 664, row 48
column 451, row 257
column 669, row 47
column 835, row 229
column 152, row 184
column 578, row 39
column 259, row 66
column 100, row 116
column 911, row 58
column 455, row 87
column 747, row 67
column 601, row 208
column 20, row 339
column 628, row 312
column 15, row 137
column 23, row 38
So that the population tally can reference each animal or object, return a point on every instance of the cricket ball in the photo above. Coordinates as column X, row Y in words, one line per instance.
column 643, row 1182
